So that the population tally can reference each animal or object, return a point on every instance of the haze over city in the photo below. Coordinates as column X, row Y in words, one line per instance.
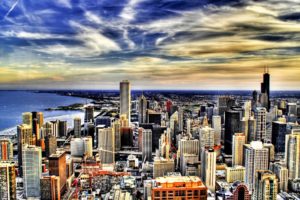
column 199, row 45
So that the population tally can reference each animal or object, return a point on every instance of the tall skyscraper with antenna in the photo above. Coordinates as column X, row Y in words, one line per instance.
column 265, row 89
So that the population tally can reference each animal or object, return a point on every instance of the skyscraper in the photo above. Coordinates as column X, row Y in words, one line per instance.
column 89, row 114
column 27, row 118
column 106, row 145
column 261, row 123
column 266, row 185
column 256, row 158
column 208, row 165
column 237, row 148
column 147, row 145
column 207, row 137
column 265, row 89
column 216, row 125
column 50, row 145
column 32, row 170
column 50, row 188
column 24, row 133
column 142, row 109
column 292, row 152
column 232, row 126
column 7, row 181
column 125, row 99
column 57, row 167
column 77, row 127
column 278, row 136
column 6, row 149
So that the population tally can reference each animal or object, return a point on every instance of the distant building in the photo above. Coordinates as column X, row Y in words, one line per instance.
column 278, row 136
column 216, row 125
column 50, row 145
column 142, row 109
column 260, row 114
column 89, row 113
column 62, row 128
column 207, row 137
column 232, row 126
column 125, row 99
column 27, row 118
column 7, row 181
column 32, row 170
column 77, row 127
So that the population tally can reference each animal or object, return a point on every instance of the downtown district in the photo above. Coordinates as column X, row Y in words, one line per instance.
column 159, row 147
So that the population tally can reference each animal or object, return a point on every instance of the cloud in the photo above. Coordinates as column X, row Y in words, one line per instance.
column 64, row 3
column 128, row 13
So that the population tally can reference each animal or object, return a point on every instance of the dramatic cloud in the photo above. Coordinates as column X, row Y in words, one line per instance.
column 193, row 44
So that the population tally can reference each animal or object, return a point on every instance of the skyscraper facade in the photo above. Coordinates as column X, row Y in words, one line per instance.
column 142, row 109
column 261, row 123
column 292, row 154
column 77, row 127
column 147, row 145
column 7, row 181
column 266, row 185
column 256, row 158
column 208, row 172
column 106, row 145
column 6, row 149
column 237, row 148
column 125, row 99
column 232, row 126
column 32, row 170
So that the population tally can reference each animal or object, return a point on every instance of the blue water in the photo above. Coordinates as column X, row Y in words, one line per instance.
column 14, row 103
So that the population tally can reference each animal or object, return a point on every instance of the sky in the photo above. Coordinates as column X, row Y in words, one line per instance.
column 156, row 44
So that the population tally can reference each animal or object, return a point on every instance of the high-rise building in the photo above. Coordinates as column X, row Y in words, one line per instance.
column 77, row 127
column 261, row 123
column 208, row 165
column 207, row 137
column 251, row 130
column 62, row 128
column 236, row 173
column 6, row 149
column 147, row 145
column 57, row 167
column 50, row 188
column 162, row 166
column 117, row 130
column 237, row 148
column 125, row 99
column 50, row 145
column 178, row 187
column 216, row 125
column 32, row 170
column 126, row 136
column 239, row 191
column 224, row 103
column 8, row 181
column 282, row 174
column 47, row 129
column 89, row 113
column 77, row 147
column 142, row 109
column 27, row 118
column 256, row 158
column 24, row 133
column 292, row 152
column 266, row 185
column 180, row 119
column 106, row 145
column 247, row 109
column 278, row 136
column 265, row 89
column 232, row 126
column 88, row 146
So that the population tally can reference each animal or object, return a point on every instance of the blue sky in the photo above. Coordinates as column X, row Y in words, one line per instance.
column 167, row 44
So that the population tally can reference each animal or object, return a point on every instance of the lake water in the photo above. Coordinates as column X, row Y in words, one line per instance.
column 14, row 103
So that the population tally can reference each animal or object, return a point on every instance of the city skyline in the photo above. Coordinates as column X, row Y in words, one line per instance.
column 199, row 45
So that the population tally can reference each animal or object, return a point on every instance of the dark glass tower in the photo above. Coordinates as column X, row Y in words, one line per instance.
column 265, row 86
